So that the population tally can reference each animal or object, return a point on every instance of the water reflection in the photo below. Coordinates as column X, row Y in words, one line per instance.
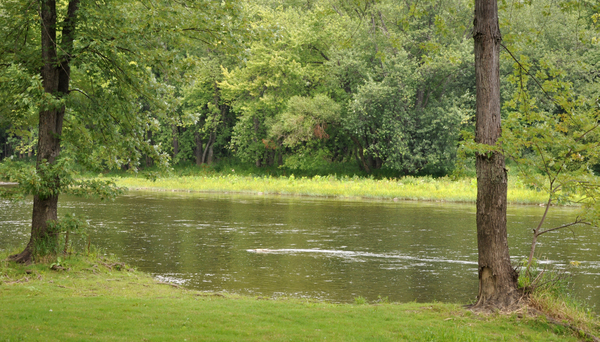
column 318, row 248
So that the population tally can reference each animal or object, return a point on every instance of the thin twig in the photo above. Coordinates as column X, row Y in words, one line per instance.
column 82, row 92
column 530, row 75
column 577, row 221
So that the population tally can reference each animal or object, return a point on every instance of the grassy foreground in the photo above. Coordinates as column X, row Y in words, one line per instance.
column 96, row 298
column 405, row 188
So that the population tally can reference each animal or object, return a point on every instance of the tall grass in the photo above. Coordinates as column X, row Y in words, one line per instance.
column 551, row 292
column 405, row 188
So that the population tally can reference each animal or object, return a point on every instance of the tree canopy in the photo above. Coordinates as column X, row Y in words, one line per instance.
column 207, row 80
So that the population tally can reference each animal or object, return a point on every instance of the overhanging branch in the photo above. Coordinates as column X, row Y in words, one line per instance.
column 577, row 221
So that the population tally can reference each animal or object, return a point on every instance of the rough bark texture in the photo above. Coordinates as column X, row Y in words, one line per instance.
column 55, row 75
column 497, row 278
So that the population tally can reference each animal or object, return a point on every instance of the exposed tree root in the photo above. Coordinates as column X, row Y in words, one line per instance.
column 24, row 257
column 500, row 304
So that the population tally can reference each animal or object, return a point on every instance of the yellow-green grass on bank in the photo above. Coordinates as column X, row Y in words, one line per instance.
column 406, row 188
column 98, row 299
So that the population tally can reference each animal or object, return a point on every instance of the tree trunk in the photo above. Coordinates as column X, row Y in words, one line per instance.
column 378, row 162
column 198, row 150
column 497, row 278
column 148, row 158
column 257, row 161
column 209, row 157
column 208, row 149
column 360, row 153
column 55, row 79
column 371, row 162
column 175, row 142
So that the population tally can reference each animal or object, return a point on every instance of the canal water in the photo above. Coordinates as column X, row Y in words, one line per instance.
column 330, row 249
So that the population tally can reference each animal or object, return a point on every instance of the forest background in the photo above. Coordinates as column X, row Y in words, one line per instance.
column 311, row 87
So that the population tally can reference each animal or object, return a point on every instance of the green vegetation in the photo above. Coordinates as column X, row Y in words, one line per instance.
column 405, row 188
column 99, row 298
column 382, row 84
column 550, row 292
column 385, row 85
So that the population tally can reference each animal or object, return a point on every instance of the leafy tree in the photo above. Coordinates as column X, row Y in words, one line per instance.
column 389, row 127
column 301, row 128
column 551, row 126
column 95, row 60
column 210, row 134
column 419, row 51
column 287, row 60
column 555, row 151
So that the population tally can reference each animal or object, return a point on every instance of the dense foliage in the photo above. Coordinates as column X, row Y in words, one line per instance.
column 300, row 84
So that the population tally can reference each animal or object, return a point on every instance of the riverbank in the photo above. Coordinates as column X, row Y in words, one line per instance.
column 405, row 188
column 97, row 298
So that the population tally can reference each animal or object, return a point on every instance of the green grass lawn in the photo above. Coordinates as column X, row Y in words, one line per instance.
column 100, row 299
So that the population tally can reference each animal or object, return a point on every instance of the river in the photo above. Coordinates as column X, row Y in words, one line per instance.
column 329, row 249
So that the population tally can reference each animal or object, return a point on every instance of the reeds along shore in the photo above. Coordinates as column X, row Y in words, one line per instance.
column 406, row 188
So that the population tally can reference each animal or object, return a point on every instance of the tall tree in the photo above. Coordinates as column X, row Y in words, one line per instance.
column 87, row 75
column 497, row 278
column 55, row 75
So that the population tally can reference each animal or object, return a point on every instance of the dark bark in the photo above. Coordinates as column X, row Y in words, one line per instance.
column 270, row 157
column 378, row 163
column 361, row 154
column 419, row 98
column 56, row 74
column 175, row 142
column 198, row 149
column 371, row 162
column 497, row 278
column 258, row 161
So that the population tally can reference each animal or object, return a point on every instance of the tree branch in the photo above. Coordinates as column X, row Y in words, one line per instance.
column 577, row 221
column 82, row 92
column 319, row 51
column 338, row 12
column 530, row 75
column 546, row 166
